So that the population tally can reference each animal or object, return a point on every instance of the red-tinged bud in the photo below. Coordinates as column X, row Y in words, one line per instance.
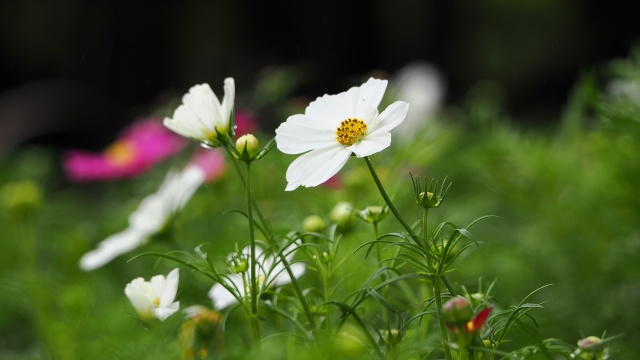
column 591, row 348
column 457, row 311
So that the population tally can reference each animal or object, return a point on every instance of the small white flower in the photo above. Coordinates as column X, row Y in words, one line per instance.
column 149, row 218
column 202, row 116
column 154, row 298
column 335, row 126
column 270, row 272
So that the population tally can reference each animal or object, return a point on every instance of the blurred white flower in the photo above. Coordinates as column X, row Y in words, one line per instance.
column 149, row 218
column 624, row 89
column 335, row 126
column 270, row 272
column 154, row 298
column 423, row 87
column 202, row 116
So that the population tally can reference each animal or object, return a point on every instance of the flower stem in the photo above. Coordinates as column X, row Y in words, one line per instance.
column 253, row 288
column 399, row 217
column 392, row 207
column 443, row 328
column 385, row 312
column 272, row 239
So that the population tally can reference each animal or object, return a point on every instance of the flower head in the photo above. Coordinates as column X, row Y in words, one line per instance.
column 202, row 116
column 271, row 272
column 459, row 319
column 335, row 126
column 154, row 298
column 140, row 146
column 154, row 211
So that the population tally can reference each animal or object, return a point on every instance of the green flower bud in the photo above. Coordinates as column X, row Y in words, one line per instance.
column 392, row 336
column 313, row 223
column 457, row 311
column 238, row 263
column 342, row 214
column 374, row 214
column 428, row 200
column 247, row 146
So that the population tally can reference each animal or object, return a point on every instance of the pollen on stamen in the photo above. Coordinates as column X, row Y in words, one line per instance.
column 156, row 302
column 351, row 131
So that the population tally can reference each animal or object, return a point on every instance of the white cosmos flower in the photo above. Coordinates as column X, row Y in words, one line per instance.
column 335, row 126
column 421, row 85
column 202, row 116
column 270, row 272
column 154, row 298
column 149, row 218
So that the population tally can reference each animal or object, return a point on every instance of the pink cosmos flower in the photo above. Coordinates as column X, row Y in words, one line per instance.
column 142, row 145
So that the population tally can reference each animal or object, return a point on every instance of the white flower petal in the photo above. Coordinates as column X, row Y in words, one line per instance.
column 226, row 108
column 316, row 166
column 163, row 313
column 186, row 122
column 221, row 297
column 282, row 276
column 297, row 136
column 372, row 144
column 369, row 97
column 326, row 112
column 190, row 179
column 110, row 248
column 138, row 292
column 170, row 288
column 391, row 117
column 201, row 113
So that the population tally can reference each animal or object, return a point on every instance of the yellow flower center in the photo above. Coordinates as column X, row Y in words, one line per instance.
column 156, row 302
column 351, row 131
column 120, row 152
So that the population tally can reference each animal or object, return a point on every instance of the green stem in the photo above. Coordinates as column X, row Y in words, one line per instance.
column 272, row 239
column 387, row 200
column 253, row 286
column 443, row 328
column 425, row 225
column 399, row 217
column 327, row 296
column 385, row 312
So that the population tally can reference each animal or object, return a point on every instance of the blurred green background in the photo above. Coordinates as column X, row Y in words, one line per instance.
column 540, row 127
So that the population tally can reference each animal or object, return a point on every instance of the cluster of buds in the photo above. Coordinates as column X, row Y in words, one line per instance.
column 461, row 322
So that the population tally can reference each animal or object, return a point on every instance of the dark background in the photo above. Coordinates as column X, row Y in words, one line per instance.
column 73, row 72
